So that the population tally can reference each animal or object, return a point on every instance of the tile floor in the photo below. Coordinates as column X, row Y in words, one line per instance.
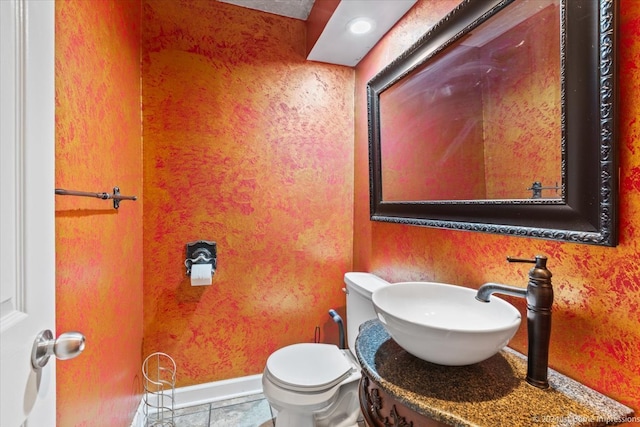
column 248, row 411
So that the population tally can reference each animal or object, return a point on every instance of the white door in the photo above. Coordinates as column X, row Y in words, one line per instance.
column 27, row 245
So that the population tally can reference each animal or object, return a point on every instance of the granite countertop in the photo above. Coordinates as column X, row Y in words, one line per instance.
column 490, row 393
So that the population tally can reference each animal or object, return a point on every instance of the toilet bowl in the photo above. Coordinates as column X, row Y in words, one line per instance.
column 305, row 383
column 316, row 385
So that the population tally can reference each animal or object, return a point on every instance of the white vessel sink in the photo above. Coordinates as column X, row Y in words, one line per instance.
column 443, row 323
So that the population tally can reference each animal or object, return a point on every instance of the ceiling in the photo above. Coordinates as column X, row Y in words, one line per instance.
column 298, row 9
column 352, row 47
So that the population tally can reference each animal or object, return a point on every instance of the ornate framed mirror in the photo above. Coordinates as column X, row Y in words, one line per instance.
column 502, row 119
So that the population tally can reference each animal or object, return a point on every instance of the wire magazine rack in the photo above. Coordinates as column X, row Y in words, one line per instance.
column 159, row 371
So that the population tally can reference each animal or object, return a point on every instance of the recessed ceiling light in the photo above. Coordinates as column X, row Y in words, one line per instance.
column 360, row 25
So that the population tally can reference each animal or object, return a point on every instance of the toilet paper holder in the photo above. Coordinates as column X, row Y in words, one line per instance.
column 201, row 252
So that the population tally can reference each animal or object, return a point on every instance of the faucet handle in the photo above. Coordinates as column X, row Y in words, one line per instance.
column 540, row 260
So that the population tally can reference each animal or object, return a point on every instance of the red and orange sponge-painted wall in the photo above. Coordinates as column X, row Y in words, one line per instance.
column 98, row 249
column 596, row 330
column 248, row 144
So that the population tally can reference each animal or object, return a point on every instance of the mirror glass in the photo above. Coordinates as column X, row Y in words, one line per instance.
column 502, row 119
column 457, row 126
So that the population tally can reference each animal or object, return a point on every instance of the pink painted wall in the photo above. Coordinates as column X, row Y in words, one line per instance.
column 596, row 330
column 248, row 144
column 98, row 248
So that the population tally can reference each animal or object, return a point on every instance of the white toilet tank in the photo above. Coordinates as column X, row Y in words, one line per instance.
column 360, row 286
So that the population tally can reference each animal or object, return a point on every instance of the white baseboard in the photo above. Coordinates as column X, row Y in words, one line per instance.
column 218, row 390
column 209, row 392
column 138, row 417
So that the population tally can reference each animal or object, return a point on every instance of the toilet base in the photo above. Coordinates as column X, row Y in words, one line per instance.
column 341, row 411
column 292, row 419
column 346, row 410
column 288, row 419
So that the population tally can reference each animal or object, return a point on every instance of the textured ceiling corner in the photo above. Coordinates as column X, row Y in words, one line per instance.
column 298, row 9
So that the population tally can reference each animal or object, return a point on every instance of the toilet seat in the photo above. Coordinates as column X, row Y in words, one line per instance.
column 308, row 367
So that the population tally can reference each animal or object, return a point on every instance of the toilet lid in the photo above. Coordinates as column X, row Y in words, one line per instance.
column 309, row 367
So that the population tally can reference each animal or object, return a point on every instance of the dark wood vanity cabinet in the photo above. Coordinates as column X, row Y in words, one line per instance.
column 400, row 390
column 381, row 410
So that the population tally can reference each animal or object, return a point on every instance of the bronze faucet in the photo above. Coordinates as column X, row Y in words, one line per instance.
column 539, row 296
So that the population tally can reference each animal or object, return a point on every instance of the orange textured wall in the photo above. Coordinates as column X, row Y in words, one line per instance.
column 596, row 330
column 247, row 144
column 99, row 249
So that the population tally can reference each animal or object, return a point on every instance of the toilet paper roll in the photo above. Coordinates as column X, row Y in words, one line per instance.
column 201, row 274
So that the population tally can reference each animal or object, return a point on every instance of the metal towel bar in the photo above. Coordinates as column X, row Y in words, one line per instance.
column 116, row 196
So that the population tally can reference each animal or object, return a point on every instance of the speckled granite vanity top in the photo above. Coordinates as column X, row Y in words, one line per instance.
column 489, row 393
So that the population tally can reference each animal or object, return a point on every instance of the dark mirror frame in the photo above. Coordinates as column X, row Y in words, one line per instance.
column 587, row 212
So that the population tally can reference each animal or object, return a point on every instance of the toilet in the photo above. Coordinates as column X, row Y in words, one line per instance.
column 316, row 385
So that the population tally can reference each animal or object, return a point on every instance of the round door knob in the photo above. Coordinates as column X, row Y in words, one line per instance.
column 66, row 346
